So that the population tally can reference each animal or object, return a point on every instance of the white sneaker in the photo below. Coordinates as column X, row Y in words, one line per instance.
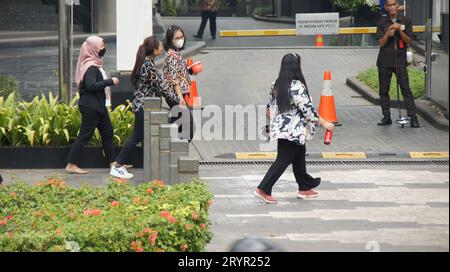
column 120, row 172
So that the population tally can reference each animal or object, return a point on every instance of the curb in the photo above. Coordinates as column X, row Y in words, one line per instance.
column 51, row 40
column 271, row 156
column 425, row 108
column 274, row 20
column 195, row 49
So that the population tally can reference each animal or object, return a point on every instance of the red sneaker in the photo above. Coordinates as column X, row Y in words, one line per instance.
column 264, row 197
column 307, row 194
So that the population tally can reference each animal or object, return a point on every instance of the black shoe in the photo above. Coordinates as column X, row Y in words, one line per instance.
column 414, row 121
column 197, row 37
column 213, row 37
column 385, row 121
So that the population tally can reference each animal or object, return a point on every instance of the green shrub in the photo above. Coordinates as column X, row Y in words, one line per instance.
column 8, row 85
column 416, row 82
column 263, row 11
column 52, row 216
column 47, row 122
column 169, row 8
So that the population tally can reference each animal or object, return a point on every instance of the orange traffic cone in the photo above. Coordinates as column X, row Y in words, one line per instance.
column 327, row 110
column 319, row 40
column 192, row 99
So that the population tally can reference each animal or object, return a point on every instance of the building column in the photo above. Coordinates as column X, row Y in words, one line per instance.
column 134, row 24
column 278, row 7
column 104, row 16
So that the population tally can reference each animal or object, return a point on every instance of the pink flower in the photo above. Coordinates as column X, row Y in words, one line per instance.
column 137, row 200
column 120, row 181
column 96, row 212
column 203, row 226
column 8, row 217
column 184, row 247
column 149, row 191
column 115, row 203
column 137, row 246
column 92, row 212
column 165, row 214
column 147, row 230
column 195, row 216
column 2, row 222
column 158, row 183
column 187, row 226
column 171, row 219
column 153, row 238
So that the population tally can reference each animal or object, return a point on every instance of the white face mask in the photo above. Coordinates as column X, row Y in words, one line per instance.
column 179, row 43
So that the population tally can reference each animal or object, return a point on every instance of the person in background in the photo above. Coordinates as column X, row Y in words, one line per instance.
column 292, row 123
column 147, row 81
column 92, row 81
column 383, row 10
column 176, row 73
column 209, row 10
column 394, row 33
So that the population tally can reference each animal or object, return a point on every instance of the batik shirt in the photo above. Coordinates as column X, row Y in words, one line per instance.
column 298, row 123
column 150, row 83
column 176, row 72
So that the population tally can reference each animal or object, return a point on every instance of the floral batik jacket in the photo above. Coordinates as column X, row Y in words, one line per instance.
column 150, row 83
column 176, row 72
column 298, row 123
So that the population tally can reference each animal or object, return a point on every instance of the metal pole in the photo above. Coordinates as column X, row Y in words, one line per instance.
column 404, row 5
column 428, row 48
column 65, row 49
column 273, row 8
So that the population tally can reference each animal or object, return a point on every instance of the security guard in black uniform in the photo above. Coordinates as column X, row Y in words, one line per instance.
column 394, row 32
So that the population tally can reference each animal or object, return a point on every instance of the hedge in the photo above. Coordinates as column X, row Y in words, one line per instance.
column 52, row 216
column 416, row 82
column 48, row 122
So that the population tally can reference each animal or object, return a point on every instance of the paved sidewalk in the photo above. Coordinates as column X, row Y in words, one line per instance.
column 357, row 210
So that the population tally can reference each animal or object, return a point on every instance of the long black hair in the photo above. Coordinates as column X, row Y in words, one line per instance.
column 168, row 40
column 290, row 70
column 146, row 49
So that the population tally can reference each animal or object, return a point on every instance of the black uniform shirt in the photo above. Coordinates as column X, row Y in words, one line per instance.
column 386, row 56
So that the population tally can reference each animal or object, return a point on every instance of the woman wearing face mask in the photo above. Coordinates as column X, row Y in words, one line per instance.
column 93, row 84
column 292, row 123
column 147, row 82
column 176, row 74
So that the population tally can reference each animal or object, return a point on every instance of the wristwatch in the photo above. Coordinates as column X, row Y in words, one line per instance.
column 402, row 27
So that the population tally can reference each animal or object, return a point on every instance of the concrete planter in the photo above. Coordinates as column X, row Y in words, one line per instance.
column 55, row 157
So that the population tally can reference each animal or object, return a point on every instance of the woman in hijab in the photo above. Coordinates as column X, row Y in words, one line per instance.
column 95, row 96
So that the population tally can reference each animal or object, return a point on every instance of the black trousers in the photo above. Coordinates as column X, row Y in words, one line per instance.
column 136, row 137
column 211, row 15
column 289, row 152
column 384, row 77
column 90, row 120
